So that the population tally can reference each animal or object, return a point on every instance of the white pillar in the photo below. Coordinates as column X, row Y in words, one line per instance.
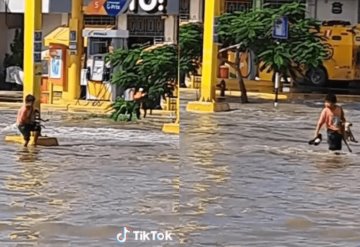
column 122, row 22
column 311, row 7
column 196, row 10
column 170, row 29
column 357, row 13
column 64, row 19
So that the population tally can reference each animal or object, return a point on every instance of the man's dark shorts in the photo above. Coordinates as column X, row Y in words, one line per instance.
column 26, row 129
column 334, row 140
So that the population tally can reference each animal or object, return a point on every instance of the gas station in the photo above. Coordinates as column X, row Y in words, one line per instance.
column 66, row 73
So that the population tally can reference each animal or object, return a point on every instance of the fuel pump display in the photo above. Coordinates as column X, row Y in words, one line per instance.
column 97, row 69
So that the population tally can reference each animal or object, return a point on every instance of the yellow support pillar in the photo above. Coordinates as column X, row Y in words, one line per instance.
column 207, row 101
column 32, row 64
column 74, row 70
column 32, row 70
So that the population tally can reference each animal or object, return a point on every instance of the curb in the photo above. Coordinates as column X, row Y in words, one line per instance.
column 284, row 96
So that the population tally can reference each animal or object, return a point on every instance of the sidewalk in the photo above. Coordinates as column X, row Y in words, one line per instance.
column 263, row 90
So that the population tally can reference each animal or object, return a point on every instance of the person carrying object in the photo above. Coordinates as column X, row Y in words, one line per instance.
column 138, row 99
column 26, row 120
column 333, row 117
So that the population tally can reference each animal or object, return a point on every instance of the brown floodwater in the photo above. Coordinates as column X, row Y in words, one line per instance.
column 249, row 178
column 245, row 178
column 101, row 178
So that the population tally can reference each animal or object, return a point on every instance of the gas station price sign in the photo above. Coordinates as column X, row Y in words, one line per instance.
column 37, row 46
column 73, row 42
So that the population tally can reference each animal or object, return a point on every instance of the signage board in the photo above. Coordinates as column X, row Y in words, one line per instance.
column 37, row 57
column 73, row 36
column 38, row 36
column 37, row 46
column 115, row 7
column 56, row 64
column 281, row 28
column 139, row 7
column 337, row 8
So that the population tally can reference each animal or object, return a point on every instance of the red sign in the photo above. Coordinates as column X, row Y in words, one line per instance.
column 95, row 7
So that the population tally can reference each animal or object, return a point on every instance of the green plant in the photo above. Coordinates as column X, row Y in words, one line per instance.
column 303, row 48
column 146, row 67
column 191, row 44
column 121, row 109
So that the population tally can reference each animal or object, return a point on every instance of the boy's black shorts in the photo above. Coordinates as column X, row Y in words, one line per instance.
column 334, row 140
column 26, row 129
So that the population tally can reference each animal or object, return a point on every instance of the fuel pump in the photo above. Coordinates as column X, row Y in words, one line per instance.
column 98, row 72
column 96, row 69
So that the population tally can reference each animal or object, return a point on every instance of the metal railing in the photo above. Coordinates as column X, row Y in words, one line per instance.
column 278, row 3
column 238, row 5
column 99, row 20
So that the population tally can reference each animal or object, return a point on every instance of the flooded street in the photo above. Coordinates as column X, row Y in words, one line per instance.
column 246, row 178
column 249, row 178
column 83, row 192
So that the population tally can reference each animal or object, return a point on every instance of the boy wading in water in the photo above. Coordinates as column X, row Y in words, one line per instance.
column 333, row 116
column 26, row 120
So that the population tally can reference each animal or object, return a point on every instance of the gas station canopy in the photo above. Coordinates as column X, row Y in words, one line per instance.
column 61, row 35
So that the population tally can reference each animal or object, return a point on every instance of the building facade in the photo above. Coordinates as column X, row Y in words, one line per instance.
column 323, row 10
column 157, row 26
column 144, row 27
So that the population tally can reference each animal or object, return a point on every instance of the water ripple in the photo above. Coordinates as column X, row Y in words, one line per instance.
column 249, row 178
column 82, row 192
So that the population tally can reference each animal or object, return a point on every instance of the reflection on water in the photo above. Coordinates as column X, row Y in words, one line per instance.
column 82, row 192
column 249, row 178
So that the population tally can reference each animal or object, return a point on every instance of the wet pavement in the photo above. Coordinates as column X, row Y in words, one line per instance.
column 101, row 178
column 249, row 178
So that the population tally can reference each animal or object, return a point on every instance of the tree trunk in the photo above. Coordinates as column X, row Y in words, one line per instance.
column 244, row 98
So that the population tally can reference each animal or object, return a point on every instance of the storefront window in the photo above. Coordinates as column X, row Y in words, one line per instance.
column 145, row 26
column 238, row 5
column 184, row 9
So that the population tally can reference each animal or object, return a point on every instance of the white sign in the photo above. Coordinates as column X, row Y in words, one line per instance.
column 98, row 70
column 149, row 6
column 56, row 64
